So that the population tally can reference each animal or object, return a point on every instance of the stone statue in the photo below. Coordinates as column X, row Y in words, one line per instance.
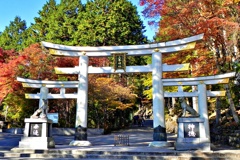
column 186, row 107
column 43, row 104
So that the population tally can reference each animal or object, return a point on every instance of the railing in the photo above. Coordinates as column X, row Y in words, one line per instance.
column 122, row 140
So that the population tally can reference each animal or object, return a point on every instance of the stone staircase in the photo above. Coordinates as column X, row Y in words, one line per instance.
column 118, row 155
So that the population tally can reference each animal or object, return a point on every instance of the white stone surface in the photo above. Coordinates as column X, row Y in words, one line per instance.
column 165, row 47
column 158, row 94
column 37, row 142
column 80, row 143
column 129, row 69
column 159, row 144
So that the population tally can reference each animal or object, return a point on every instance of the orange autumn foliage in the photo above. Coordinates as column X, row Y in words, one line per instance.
column 217, row 19
column 9, row 61
column 31, row 63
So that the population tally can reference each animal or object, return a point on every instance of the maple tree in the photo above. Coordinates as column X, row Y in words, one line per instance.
column 217, row 19
column 32, row 63
column 10, row 91
column 106, row 98
column 9, row 61
column 219, row 22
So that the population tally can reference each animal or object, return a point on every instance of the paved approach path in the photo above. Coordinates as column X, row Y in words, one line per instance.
column 139, row 136
column 139, row 139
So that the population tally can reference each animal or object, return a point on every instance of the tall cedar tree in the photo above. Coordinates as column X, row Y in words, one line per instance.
column 13, row 35
column 57, row 22
column 109, row 22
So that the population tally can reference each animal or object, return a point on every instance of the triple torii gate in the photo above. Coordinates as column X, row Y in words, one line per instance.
column 156, row 50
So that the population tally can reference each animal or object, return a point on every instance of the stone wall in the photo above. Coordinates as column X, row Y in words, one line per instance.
column 234, row 139
column 71, row 131
column 230, row 138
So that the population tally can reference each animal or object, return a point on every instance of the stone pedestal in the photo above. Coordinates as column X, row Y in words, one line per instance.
column 80, row 138
column 159, row 138
column 37, row 134
column 192, row 135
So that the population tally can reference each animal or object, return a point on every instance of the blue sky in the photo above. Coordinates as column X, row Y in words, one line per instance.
column 28, row 9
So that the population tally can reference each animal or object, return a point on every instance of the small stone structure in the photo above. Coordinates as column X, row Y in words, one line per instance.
column 42, row 110
column 191, row 130
column 43, row 104
column 38, row 128
column 37, row 134
column 192, row 134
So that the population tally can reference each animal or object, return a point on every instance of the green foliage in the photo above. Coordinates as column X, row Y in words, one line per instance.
column 236, row 66
column 57, row 22
column 13, row 35
column 45, row 22
column 109, row 23
column 16, row 109
column 96, row 23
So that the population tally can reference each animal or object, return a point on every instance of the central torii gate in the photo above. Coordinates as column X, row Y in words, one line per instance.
column 156, row 50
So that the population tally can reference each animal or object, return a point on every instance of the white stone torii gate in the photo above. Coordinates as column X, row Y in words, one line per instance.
column 156, row 50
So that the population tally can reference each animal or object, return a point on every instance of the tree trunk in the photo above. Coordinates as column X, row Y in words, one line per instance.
column 218, row 111
column 232, row 106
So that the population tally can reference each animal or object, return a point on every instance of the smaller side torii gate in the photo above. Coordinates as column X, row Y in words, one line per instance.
column 194, row 133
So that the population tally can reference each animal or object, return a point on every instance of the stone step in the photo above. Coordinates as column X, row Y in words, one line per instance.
column 127, row 155
column 97, row 156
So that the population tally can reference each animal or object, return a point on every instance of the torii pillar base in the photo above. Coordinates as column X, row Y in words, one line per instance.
column 80, row 138
column 160, row 144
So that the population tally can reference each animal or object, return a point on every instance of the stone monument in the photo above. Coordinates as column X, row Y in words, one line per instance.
column 191, row 131
column 38, row 128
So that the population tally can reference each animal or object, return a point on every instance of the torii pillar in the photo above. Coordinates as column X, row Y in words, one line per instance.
column 203, row 112
column 81, row 115
column 159, row 127
column 80, row 138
